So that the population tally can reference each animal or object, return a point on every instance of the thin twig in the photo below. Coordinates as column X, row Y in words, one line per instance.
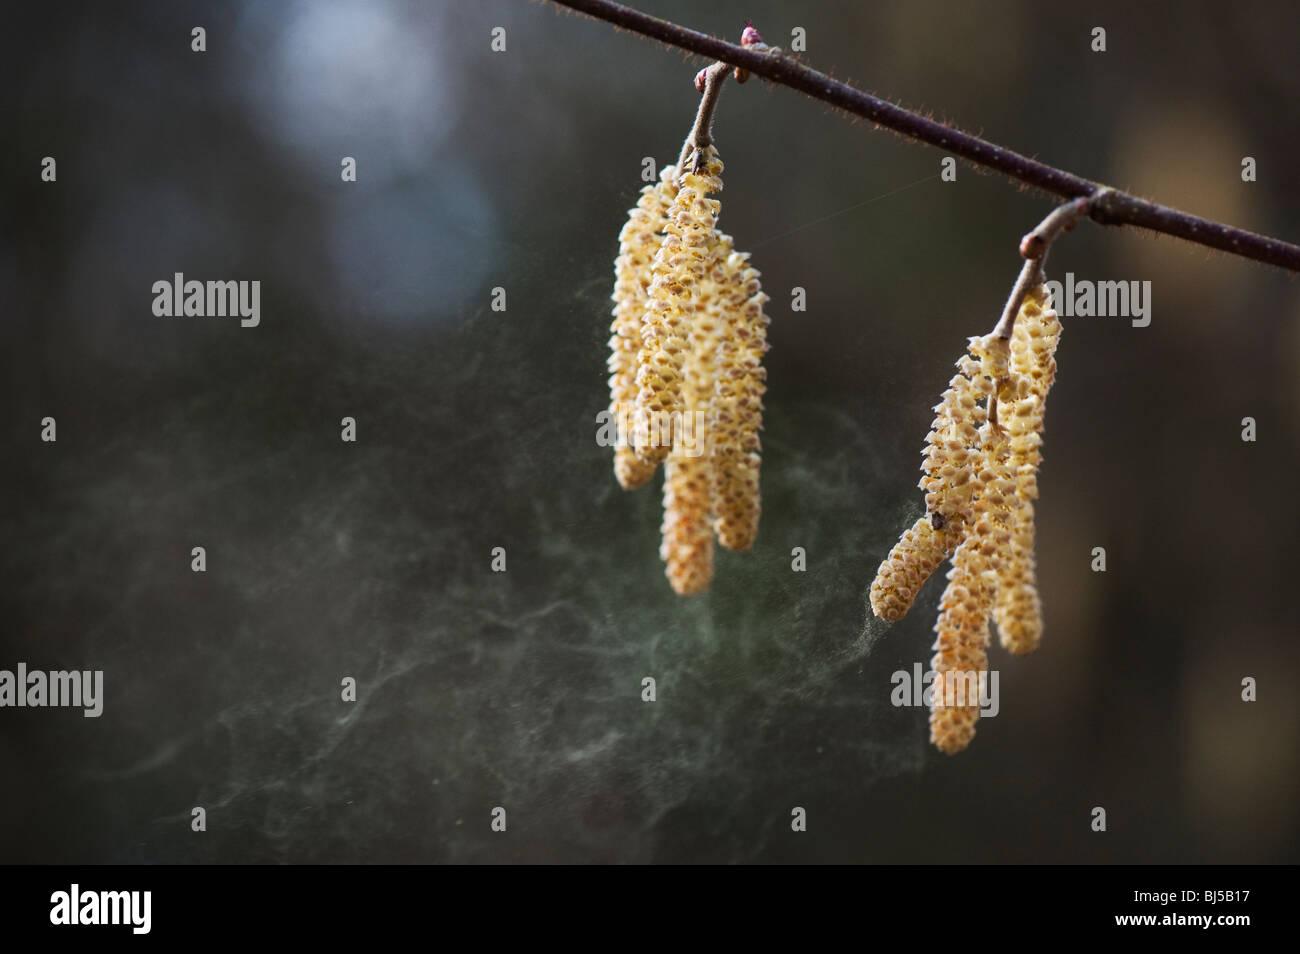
column 709, row 82
column 1030, row 273
column 699, row 140
column 1034, row 247
column 1112, row 208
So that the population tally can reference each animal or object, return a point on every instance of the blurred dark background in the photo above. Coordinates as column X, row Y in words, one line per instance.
column 476, row 430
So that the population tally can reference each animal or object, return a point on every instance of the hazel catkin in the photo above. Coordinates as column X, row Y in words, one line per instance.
column 687, row 547
column 738, row 405
column 678, row 267
column 948, row 464
column 961, row 650
column 686, row 374
column 709, row 328
column 639, row 241
column 952, row 447
column 1018, row 612
column 980, row 473
column 910, row 563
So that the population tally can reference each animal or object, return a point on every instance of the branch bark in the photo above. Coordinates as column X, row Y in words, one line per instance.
column 1109, row 206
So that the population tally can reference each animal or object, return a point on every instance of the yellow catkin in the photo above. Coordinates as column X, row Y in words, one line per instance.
column 961, row 649
column 709, row 330
column 1018, row 612
column 687, row 547
column 678, row 267
column 952, row 446
column 910, row 563
column 980, row 480
column 639, row 241
column 738, row 405
column 961, row 654
column 948, row 464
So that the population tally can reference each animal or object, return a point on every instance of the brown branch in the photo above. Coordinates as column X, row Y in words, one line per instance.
column 1034, row 247
column 1109, row 206
column 711, row 79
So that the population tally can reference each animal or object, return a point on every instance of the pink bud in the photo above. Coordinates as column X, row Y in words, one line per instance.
column 700, row 80
column 750, row 36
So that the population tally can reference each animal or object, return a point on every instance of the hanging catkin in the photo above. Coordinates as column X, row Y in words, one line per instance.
column 948, row 466
column 980, row 480
column 710, row 326
column 686, row 373
column 1018, row 612
column 687, row 547
column 961, row 650
column 639, row 241
column 678, row 267
column 953, row 446
column 738, row 405
column 910, row 563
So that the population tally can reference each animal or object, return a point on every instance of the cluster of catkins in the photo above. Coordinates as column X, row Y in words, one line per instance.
column 980, row 481
column 686, row 376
